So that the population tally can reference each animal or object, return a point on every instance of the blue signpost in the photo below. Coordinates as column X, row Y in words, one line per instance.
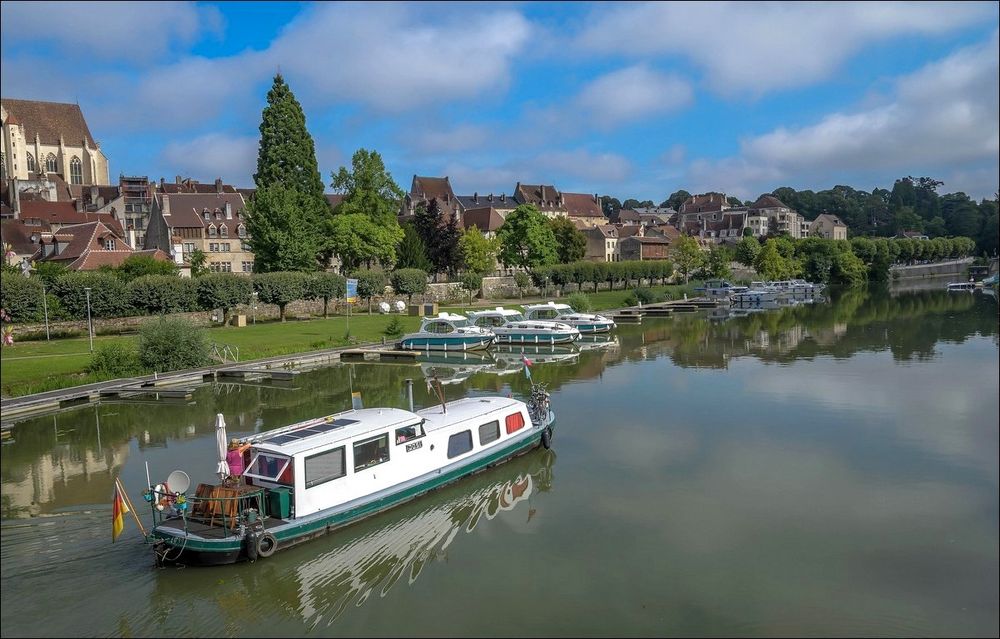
column 352, row 294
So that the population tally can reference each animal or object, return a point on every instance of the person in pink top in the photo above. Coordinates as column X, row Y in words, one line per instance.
column 234, row 457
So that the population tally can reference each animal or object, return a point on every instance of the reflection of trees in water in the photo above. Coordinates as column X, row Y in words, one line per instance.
column 319, row 580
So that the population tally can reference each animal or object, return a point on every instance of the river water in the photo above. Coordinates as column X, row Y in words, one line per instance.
column 823, row 469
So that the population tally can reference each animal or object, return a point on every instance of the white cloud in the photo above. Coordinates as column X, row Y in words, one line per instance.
column 233, row 158
column 575, row 171
column 386, row 56
column 630, row 94
column 757, row 47
column 940, row 119
column 460, row 137
column 123, row 30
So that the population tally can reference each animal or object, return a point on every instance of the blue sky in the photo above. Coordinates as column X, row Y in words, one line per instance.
column 628, row 99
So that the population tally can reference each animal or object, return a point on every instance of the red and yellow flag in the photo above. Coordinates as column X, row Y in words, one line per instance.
column 118, row 511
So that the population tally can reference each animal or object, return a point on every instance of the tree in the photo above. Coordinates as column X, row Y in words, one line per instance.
column 478, row 251
column 369, row 191
column 21, row 297
column 286, row 158
column 280, row 288
column 631, row 204
column 409, row 281
column 471, row 282
column 370, row 284
column 770, row 264
column 522, row 280
column 717, row 264
column 687, row 255
column 571, row 244
column 747, row 250
column 411, row 252
column 223, row 290
column 198, row 262
column 676, row 199
column 281, row 232
column 49, row 272
column 107, row 294
column 440, row 234
column 610, row 206
column 138, row 265
column 170, row 344
column 526, row 239
column 161, row 294
column 325, row 286
column 357, row 240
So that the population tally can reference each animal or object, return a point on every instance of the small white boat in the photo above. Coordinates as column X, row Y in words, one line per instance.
column 315, row 476
column 720, row 288
column 564, row 313
column 510, row 327
column 962, row 286
column 447, row 332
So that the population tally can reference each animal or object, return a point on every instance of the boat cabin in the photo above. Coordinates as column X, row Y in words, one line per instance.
column 548, row 311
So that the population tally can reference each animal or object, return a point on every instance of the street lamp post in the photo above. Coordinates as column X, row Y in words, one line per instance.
column 90, row 323
column 253, row 306
column 45, row 305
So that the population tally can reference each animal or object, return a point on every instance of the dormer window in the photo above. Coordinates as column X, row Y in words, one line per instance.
column 212, row 230
column 223, row 231
column 206, row 215
column 241, row 230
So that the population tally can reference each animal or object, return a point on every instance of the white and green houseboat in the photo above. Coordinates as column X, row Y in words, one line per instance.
column 584, row 322
column 310, row 478
column 447, row 332
column 510, row 327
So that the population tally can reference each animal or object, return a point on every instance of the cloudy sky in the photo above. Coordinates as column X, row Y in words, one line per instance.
column 633, row 100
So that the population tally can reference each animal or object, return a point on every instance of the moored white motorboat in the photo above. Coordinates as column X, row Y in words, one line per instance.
column 510, row 327
column 447, row 332
column 564, row 313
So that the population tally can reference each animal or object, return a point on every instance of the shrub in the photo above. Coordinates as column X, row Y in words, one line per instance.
column 521, row 281
column 21, row 297
column 408, row 281
column 107, row 294
column 370, row 284
column 169, row 344
column 280, row 288
column 395, row 327
column 580, row 302
column 325, row 286
column 139, row 265
column 471, row 282
column 161, row 294
column 223, row 290
column 644, row 295
column 114, row 360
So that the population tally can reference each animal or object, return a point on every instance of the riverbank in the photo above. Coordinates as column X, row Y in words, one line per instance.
column 31, row 367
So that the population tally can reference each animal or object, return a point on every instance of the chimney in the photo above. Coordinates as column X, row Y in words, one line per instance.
column 597, row 200
column 475, row 197
column 229, row 211
column 218, row 186
column 490, row 198
column 79, row 204
column 162, row 182
column 166, row 205
column 177, row 180
column 93, row 194
column 503, row 197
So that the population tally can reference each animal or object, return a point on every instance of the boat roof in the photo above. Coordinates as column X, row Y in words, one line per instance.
column 550, row 304
column 450, row 317
column 469, row 408
column 329, row 429
column 499, row 310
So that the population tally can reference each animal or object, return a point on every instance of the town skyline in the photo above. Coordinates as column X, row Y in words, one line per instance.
column 542, row 95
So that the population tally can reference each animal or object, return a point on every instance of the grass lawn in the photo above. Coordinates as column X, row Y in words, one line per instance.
column 36, row 366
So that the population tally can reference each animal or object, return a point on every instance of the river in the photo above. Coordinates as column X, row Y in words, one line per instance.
column 824, row 469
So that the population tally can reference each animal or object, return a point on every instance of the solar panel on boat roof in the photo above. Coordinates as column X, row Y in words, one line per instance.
column 316, row 429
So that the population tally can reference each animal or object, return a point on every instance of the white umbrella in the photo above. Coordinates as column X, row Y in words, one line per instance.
column 223, row 442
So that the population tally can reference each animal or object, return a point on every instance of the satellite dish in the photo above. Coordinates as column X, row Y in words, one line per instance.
column 178, row 481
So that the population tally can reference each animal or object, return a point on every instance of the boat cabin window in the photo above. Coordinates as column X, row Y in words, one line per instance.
column 461, row 323
column 515, row 423
column 459, row 443
column 324, row 467
column 490, row 321
column 546, row 313
column 516, row 317
column 371, row 452
column 489, row 432
column 273, row 468
column 439, row 327
column 408, row 433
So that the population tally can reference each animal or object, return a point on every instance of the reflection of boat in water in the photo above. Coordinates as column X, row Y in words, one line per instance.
column 597, row 342
column 401, row 547
column 962, row 286
column 738, row 308
column 453, row 368
column 508, row 358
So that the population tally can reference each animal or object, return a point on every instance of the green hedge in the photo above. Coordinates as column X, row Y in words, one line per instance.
column 21, row 297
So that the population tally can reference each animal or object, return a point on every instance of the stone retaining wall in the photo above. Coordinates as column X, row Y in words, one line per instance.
column 953, row 267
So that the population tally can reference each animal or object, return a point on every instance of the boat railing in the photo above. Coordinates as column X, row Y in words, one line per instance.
column 229, row 507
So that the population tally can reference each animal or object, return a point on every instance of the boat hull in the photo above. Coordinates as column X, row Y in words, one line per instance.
column 232, row 549
column 591, row 328
column 535, row 338
column 424, row 343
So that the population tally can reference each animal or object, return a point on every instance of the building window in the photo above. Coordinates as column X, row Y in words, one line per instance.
column 76, row 171
column 211, row 229
column 241, row 230
column 206, row 215
column 459, row 443
column 489, row 432
column 31, row 163
column 223, row 231
column 189, row 247
column 247, row 267
column 213, row 247
column 371, row 452
column 109, row 244
column 325, row 467
column 226, row 247
column 245, row 247
column 51, row 164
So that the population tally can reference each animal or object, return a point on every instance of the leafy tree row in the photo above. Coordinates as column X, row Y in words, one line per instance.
column 620, row 274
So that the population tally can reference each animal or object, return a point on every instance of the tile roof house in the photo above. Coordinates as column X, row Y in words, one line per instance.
column 780, row 218
column 502, row 203
column 584, row 207
column 59, row 214
column 86, row 247
column 213, row 223
column 486, row 218
column 544, row 197
column 424, row 189
column 644, row 248
column 828, row 226
column 602, row 243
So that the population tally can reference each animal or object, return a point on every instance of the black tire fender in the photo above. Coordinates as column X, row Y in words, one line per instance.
column 252, row 541
column 266, row 545
column 547, row 438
